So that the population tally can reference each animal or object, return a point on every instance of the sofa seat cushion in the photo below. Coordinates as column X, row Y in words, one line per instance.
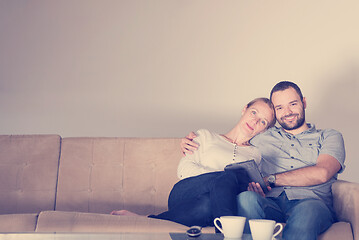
column 18, row 222
column 339, row 230
column 61, row 221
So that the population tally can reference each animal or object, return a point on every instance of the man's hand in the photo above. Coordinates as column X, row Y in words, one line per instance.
column 256, row 187
column 187, row 145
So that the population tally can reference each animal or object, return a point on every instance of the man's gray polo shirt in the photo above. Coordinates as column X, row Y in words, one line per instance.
column 283, row 152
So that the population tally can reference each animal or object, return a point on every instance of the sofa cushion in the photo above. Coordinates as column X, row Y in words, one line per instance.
column 18, row 222
column 99, row 175
column 59, row 221
column 28, row 173
column 339, row 230
column 346, row 203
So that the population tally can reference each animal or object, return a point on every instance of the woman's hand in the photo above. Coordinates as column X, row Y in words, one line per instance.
column 187, row 144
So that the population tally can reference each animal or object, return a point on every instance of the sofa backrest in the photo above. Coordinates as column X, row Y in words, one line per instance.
column 28, row 172
column 103, row 174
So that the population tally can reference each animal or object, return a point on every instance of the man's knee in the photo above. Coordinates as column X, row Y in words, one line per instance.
column 247, row 198
column 312, row 209
column 248, row 204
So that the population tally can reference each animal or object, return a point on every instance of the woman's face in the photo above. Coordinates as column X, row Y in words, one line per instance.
column 256, row 118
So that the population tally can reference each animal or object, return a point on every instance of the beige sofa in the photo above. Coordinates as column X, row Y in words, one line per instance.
column 54, row 184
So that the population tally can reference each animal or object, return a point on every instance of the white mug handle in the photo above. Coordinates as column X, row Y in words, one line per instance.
column 215, row 223
column 278, row 231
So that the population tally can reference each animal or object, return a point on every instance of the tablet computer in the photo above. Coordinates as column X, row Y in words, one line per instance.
column 251, row 168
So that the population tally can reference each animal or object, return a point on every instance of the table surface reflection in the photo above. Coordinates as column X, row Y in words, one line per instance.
column 112, row 236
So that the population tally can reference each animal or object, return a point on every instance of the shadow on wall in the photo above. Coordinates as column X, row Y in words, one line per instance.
column 338, row 109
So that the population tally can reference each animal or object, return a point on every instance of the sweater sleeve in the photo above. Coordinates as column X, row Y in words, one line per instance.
column 191, row 164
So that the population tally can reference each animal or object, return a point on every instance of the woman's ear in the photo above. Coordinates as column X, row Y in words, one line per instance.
column 244, row 110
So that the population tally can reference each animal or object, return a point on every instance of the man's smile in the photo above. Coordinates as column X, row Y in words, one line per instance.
column 290, row 118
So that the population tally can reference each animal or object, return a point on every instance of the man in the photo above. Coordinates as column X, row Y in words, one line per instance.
column 300, row 164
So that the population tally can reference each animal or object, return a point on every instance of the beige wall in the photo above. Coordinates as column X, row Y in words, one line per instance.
column 160, row 68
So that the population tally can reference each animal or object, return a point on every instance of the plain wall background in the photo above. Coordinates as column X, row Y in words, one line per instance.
column 161, row 68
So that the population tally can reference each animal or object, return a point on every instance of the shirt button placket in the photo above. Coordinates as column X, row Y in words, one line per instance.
column 292, row 149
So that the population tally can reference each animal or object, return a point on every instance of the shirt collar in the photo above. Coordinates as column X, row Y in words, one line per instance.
column 311, row 129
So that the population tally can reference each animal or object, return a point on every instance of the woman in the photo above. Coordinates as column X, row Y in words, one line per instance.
column 197, row 198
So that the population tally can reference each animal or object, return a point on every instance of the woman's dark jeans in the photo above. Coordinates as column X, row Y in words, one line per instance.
column 196, row 201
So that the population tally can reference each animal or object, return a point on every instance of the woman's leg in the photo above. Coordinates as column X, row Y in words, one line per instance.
column 224, row 193
column 123, row 212
column 189, row 202
column 195, row 212
column 190, row 188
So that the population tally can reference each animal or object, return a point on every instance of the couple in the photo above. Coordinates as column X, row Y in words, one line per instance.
column 299, row 163
column 198, row 197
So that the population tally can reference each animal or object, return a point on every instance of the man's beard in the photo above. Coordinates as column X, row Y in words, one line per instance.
column 300, row 121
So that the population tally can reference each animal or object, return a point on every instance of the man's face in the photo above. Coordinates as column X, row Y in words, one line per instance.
column 289, row 109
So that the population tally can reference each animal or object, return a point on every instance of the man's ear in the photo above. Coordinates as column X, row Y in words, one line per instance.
column 304, row 103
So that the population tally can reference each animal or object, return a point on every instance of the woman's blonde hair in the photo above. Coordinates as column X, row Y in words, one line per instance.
column 270, row 105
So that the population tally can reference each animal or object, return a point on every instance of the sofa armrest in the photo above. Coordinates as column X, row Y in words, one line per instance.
column 346, row 203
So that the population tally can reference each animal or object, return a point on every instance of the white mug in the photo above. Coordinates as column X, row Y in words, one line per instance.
column 232, row 226
column 262, row 229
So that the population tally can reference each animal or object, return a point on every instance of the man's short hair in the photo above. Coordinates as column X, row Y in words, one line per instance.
column 281, row 86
